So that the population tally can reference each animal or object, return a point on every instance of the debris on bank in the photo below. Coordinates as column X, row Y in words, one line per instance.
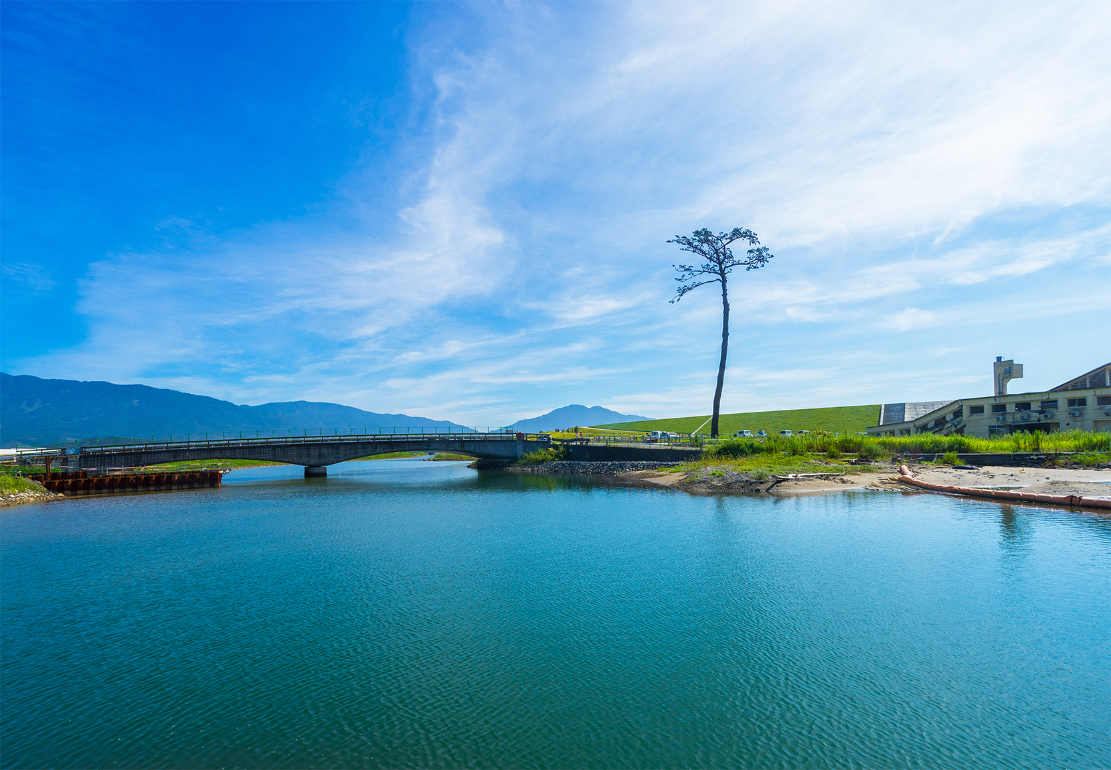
column 1022, row 495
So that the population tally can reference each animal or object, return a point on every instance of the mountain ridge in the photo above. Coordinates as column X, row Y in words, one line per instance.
column 571, row 416
column 44, row 411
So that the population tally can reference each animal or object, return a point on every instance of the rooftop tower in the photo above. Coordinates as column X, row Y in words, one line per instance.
column 1005, row 371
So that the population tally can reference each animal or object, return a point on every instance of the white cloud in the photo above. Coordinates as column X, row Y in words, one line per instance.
column 903, row 162
column 913, row 318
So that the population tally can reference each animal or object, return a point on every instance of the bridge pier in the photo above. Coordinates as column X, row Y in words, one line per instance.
column 316, row 471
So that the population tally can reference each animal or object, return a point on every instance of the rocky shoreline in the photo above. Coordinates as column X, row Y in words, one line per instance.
column 40, row 495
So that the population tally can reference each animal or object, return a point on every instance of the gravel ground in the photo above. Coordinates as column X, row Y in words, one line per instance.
column 18, row 498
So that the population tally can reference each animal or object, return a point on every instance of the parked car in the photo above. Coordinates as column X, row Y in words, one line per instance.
column 761, row 434
column 804, row 433
column 784, row 433
column 657, row 435
column 743, row 434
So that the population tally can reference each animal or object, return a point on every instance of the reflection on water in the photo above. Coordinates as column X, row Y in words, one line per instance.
column 1015, row 529
column 413, row 613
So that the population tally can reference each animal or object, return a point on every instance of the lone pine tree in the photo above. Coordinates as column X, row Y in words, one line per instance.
column 718, row 262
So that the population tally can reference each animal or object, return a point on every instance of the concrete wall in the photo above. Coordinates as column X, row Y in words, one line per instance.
column 601, row 453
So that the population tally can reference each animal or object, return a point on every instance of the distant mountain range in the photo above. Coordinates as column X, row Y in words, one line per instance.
column 34, row 410
column 572, row 416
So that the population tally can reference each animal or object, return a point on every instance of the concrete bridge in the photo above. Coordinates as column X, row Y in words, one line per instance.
column 313, row 452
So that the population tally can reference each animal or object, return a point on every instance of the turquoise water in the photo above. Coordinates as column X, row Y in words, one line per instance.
column 408, row 613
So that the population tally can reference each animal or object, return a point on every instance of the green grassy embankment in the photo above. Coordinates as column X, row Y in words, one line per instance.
column 200, row 465
column 552, row 454
column 390, row 456
column 845, row 420
column 12, row 485
column 204, row 465
column 451, row 456
column 823, row 453
column 760, row 458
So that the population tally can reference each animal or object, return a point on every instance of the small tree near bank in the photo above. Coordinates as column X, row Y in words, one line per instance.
column 718, row 262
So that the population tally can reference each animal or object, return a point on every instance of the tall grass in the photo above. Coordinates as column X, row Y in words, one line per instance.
column 10, row 485
column 552, row 454
column 878, row 446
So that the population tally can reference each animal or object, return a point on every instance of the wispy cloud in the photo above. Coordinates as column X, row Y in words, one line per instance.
column 30, row 278
column 894, row 158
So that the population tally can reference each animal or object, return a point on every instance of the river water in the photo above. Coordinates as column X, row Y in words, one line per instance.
column 409, row 613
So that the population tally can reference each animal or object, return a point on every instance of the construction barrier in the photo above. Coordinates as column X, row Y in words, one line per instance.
column 81, row 483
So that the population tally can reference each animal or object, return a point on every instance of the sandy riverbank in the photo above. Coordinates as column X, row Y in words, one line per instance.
column 1055, row 481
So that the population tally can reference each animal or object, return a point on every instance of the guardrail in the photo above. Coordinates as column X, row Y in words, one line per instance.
column 22, row 455
column 353, row 438
column 174, row 438
column 682, row 441
column 239, row 438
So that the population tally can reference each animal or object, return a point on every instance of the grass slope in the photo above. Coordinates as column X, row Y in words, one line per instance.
column 11, row 485
column 835, row 419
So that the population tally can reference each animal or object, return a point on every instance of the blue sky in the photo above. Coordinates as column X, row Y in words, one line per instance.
column 461, row 210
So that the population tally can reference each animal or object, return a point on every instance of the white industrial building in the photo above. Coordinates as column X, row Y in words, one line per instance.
column 1082, row 403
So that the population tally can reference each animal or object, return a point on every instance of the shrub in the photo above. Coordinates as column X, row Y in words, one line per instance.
column 1090, row 459
column 793, row 446
column 833, row 453
column 871, row 450
column 734, row 448
column 11, row 484
column 950, row 458
column 544, row 456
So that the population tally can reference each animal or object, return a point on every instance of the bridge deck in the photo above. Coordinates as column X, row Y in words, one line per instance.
column 310, row 451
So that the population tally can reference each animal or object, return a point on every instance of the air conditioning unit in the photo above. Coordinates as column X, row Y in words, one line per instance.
column 999, row 418
column 1048, row 415
column 1024, row 417
column 1074, row 412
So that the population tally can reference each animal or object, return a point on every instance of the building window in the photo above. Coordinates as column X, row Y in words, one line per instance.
column 1022, row 406
column 1049, row 404
column 1103, row 400
column 998, row 408
column 959, row 413
column 1078, row 402
column 975, row 410
column 939, row 422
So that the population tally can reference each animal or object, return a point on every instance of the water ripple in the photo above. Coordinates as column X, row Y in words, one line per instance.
column 405, row 614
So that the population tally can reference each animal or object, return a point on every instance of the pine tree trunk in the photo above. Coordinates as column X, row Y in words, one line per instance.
column 724, row 353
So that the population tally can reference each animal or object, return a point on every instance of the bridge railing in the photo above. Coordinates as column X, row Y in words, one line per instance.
column 682, row 441
column 352, row 438
column 285, row 436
